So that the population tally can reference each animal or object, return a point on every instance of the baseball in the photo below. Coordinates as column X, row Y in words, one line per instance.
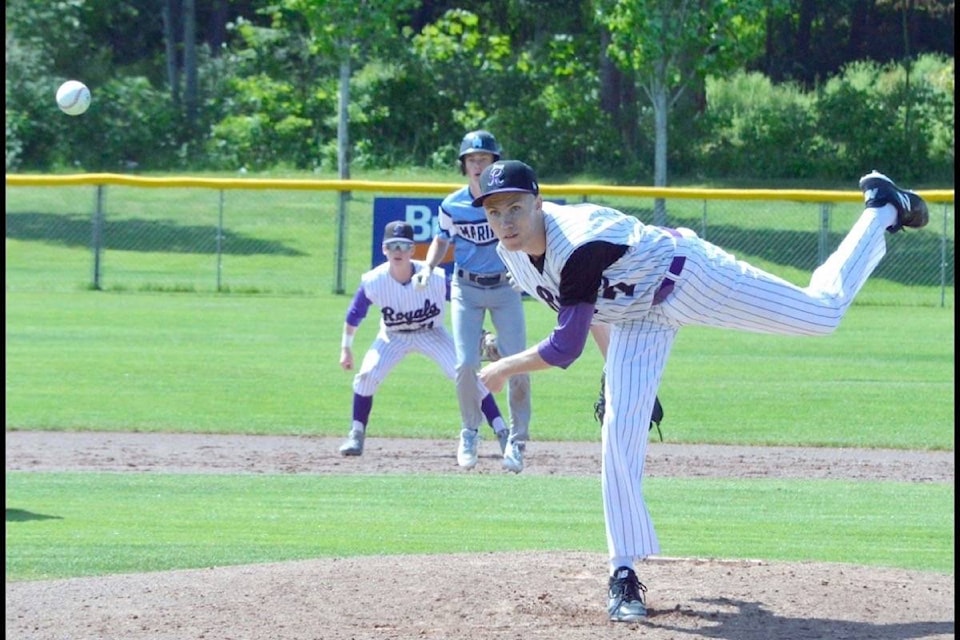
column 73, row 97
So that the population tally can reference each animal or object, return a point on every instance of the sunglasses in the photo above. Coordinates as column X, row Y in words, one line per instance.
column 398, row 246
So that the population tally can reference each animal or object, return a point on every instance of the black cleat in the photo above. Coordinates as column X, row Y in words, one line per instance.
column 625, row 597
column 879, row 190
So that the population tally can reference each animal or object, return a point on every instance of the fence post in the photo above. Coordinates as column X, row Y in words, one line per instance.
column 220, row 244
column 703, row 221
column 97, row 239
column 823, row 249
column 341, row 239
column 943, row 259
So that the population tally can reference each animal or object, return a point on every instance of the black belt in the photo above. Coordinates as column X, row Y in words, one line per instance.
column 676, row 267
column 483, row 281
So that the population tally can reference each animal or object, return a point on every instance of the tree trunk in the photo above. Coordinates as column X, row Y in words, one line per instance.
column 618, row 99
column 190, row 60
column 661, row 106
column 170, row 14
column 801, row 48
column 907, row 68
column 629, row 123
column 768, row 48
column 343, row 131
column 858, row 29
column 217, row 27
column 609, row 79
column 343, row 164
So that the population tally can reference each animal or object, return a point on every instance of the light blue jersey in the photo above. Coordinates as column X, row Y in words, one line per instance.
column 474, row 244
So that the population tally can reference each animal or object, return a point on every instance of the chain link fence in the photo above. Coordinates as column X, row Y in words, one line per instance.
column 117, row 233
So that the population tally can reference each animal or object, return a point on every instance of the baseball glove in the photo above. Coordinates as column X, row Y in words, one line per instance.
column 489, row 352
column 600, row 404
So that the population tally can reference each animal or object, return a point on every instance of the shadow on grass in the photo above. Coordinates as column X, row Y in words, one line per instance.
column 159, row 236
column 913, row 257
column 21, row 515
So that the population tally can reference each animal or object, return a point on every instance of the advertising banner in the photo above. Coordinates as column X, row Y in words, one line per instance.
column 419, row 213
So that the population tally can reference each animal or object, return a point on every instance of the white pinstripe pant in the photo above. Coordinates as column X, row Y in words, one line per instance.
column 390, row 347
column 717, row 290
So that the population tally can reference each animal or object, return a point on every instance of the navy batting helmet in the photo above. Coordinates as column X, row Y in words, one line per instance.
column 479, row 142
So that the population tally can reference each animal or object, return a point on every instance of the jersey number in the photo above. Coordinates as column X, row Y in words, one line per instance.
column 608, row 291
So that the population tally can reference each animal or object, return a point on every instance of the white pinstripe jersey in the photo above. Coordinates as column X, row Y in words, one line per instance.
column 628, row 285
column 404, row 307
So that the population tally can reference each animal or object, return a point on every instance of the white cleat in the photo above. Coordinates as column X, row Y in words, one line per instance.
column 513, row 456
column 467, row 451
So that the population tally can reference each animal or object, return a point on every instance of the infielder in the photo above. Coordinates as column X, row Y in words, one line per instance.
column 480, row 284
column 592, row 262
column 411, row 321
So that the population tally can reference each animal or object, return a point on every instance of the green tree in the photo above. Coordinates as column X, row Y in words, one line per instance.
column 467, row 67
column 270, row 100
column 670, row 44
column 180, row 36
column 351, row 31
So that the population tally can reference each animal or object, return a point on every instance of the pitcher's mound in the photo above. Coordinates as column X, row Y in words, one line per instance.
column 522, row 596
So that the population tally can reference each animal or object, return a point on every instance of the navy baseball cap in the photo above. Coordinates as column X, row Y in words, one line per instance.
column 506, row 176
column 398, row 230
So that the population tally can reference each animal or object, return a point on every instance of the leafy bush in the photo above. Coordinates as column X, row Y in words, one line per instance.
column 264, row 128
column 561, row 120
column 270, row 102
column 758, row 129
column 33, row 123
column 870, row 116
column 385, row 97
column 938, row 73
column 136, row 124
column 881, row 118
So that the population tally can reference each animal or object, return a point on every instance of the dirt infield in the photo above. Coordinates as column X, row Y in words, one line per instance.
column 497, row 595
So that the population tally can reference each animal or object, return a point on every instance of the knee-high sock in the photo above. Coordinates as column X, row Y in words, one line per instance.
column 361, row 409
column 492, row 413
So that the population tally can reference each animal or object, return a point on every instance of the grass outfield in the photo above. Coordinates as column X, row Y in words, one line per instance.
column 269, row 365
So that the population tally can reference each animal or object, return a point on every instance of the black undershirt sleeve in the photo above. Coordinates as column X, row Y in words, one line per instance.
column 581, row 275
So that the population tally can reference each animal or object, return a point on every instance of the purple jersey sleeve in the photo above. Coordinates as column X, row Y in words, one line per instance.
column 358, row 308
column 565, row 343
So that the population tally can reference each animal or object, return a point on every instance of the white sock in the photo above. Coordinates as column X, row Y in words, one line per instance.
column 887, row 215
column 620, row 561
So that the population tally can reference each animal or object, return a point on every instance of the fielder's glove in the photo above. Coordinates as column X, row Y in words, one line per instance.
column 600, row 405
column 489, row 352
